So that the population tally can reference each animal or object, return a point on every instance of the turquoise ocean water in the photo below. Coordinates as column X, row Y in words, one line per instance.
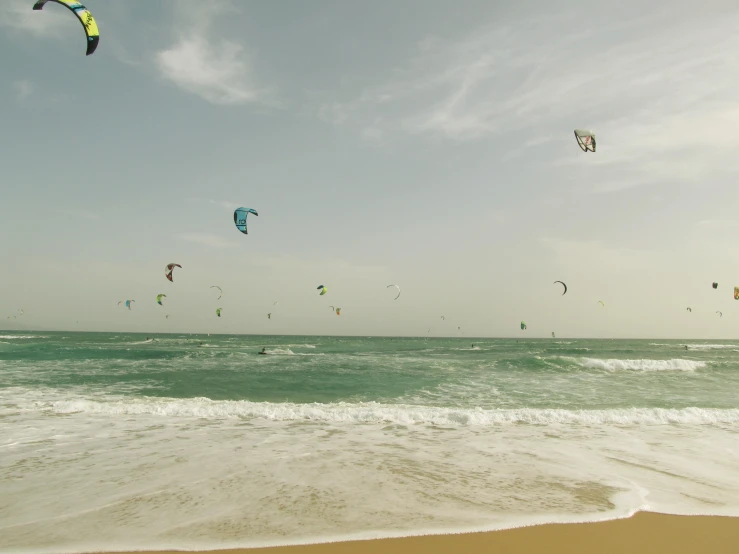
column 112, row 441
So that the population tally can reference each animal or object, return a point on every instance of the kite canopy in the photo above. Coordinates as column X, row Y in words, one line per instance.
column 397, row 287
column 240, row 218
column 323, row 290
column 565, row 286
column 442, row 317
column 159, row 298
column 220, row 290
column 553, row 334
column 715, row 285
column 690, row 309
column 736, row 293
column 601, row 303
column 585, row 140
column 523, row 326
column 168, row 271
column 218, row 312
column 85, row 17
column 721, row 314
column 269, row 316
column 128, row 303
column 338, row 311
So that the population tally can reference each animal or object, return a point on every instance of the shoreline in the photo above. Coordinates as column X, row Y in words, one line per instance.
column 642, row 533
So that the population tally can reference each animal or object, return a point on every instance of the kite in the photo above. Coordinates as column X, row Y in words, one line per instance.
column 523, row 326
column 736, row 293
column 323, row 290
column 690, row 309
column 269, row 315
column 119, row 302
column 565, row 286
column 167, row 316
column 715, row 285
column 397, row 287
column 169, row 270
column 338, row 311
column 553, row 334
column 442, row 317
column 220, row 291
column 585, row 140
column 240, row 218
column 721, row 314
column 128, row 303
column 332, row 308
column 159, row 298
column 601, row 303
column 85, row 17
column 218, row 312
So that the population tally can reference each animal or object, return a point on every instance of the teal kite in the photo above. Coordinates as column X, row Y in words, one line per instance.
column 240, row 218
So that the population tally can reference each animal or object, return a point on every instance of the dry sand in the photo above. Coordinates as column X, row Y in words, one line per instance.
column 645, row 533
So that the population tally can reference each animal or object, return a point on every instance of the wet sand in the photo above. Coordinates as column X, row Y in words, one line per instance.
column 645, row 533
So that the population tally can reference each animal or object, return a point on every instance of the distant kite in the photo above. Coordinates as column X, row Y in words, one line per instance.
column 168, row 271
column 240, row 215
column 397, row 287
column 715, row 285
column 159, row 298
column 323, row 290
column 565, row 286
column 585, row 140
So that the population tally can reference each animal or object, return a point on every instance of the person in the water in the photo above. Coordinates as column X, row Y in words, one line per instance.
column 263, row 351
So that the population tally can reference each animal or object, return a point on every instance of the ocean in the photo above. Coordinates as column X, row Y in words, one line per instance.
column 110, row 441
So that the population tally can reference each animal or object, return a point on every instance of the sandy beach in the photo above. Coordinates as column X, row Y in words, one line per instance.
column 644, row 533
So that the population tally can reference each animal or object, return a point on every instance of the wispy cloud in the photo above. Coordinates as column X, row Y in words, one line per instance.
column 207, row 239
column 658, row 90
column 19, row 16
column 219, row 203
column 216, row 69
column 719, row 223
column 23, row 89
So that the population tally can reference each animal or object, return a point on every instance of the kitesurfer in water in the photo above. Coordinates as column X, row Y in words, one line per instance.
column 263, row 351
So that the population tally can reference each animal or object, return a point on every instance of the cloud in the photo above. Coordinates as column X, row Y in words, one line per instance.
column 719, row 224
column 219, row 203
column 23, row 89
column 217, row 70
column 20, row 17
column 657, row 89
column 207, row 239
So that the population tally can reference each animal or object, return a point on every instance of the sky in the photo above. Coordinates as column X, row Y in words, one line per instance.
column 422, row 143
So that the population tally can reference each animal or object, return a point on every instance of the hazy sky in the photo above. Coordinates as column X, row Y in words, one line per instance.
column 425, row 143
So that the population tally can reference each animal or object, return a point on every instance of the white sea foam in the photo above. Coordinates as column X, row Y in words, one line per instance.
column 23, row 337
column 711, row 346
column 614, row 364
column 106, row 479
column 373, row 412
